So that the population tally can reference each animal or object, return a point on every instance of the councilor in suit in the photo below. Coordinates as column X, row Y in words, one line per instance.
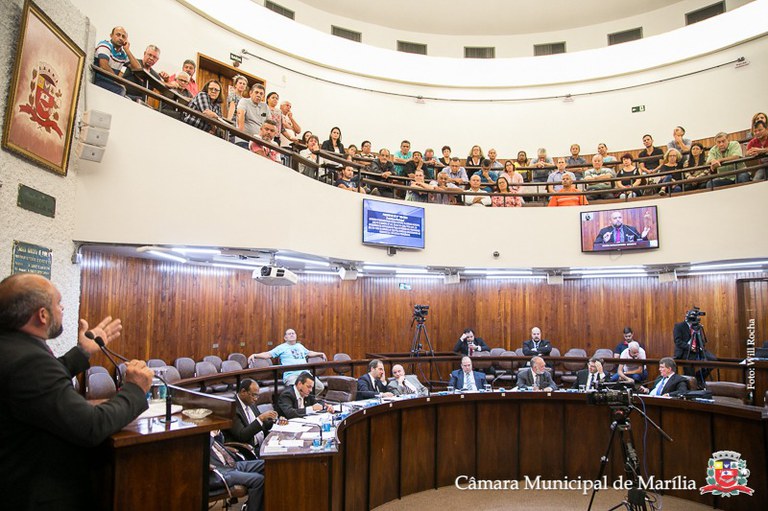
column 405, row 384
column 591, row 377
column 465, row 378
column 668, row 382
column 373, row 384
column 249, row 473
column 47, row 428
column 249, row 426
column 536, row 346
column 298, row 399
column 468, row 342
column 617, row 232
column 536, row 376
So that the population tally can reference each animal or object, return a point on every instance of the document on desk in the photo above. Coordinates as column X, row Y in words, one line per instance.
column 291, row 443
column 291, row 427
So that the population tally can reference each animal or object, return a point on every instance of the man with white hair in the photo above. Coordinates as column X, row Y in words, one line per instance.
column 631, row 372
column 536, row 377
column 405, row 384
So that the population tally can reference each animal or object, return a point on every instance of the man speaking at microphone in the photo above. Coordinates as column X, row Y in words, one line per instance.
column 47, row 428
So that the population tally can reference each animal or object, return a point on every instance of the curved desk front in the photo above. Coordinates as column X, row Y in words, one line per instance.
column 398, row 448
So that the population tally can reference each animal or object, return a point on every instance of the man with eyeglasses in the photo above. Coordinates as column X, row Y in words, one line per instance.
column 249, row 426
column 191, row 86
column 151, row 56
column 179, row 86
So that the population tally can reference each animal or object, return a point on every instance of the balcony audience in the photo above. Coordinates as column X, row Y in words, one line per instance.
column 474, row 187
column 111, row 55
column 568, row 195
column 597, row 179
column 188, row 67
column 207, row 102
column 267, row 133
column 251, row 113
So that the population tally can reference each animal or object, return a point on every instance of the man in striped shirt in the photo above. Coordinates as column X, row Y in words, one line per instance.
column 112, row 55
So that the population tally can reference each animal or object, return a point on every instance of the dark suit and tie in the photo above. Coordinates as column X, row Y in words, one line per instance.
column 526, row 378
column 465, row 381
column 290, row 406
column 249, row 473
column 589, row 380
column 662, row 386
column 245, row 424
column 368, row 387
column 621, row 234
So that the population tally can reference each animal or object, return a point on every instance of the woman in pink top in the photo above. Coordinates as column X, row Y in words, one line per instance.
column 504, row 201
column 515, row 179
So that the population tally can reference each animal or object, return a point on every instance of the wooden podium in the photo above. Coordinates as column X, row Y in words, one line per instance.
column 153, row 465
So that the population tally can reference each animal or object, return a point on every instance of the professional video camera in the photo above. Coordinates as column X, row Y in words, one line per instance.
column 420, row 312
column 693, row 317
column 610, row 397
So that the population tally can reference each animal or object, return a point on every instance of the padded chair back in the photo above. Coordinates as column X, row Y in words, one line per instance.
column 100, row 386
column 554, row 353
column 256, row 363
column 606, row 355
column 156, row 362
column 477, row 360
column 340, row 389
column 727, row 391
column 230, row 366
column 205, row 369
column 496, row 352
column 95, row 369
column 340, row 357
column 215, row 360
column 320, row 371
column 185, row 366
column 692, row 383
column 575, row 366
column 240, row 358
column 507, row 365
column 171, row 374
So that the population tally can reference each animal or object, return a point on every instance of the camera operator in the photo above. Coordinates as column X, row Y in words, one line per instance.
column 468, row 344
column 690, row 342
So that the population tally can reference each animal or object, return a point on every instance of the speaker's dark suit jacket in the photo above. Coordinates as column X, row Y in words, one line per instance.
column 582, row 376
column 626, row 230
column 545, row 348
column 457, row 379
column 675, row 383
column 243, row 432
column 366, row 389
column 288, row 404
column 47, row 428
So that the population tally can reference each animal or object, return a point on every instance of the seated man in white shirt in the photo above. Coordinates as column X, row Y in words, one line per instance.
column 474, row 187
column 631, row 372
column 298, row 399
column 405, row 384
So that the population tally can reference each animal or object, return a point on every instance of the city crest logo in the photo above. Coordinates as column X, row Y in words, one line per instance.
column 726, row 475
column 44, row 99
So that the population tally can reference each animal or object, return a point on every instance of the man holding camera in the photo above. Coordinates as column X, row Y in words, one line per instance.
column 690, row 343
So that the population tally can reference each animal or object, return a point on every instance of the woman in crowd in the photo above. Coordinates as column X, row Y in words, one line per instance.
column 445, row 161
column 236, row 90
column 572, row 196
column 697, row 158
column 333, row 144
column 515, row 179
column 275, row 114
column 475, row 157
column 631, row 177
column 351, row 152
column 305, row 137
column 669, row 163
column 504, row 201
column 208, row 102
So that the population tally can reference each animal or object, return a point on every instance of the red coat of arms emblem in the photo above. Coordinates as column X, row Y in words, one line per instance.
column 726, row 475
column 43, row 101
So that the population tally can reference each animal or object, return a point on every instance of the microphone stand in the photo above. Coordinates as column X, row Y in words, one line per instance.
column 103, row 347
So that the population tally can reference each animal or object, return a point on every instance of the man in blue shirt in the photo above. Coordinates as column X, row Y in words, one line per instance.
column 111, row 55
column 291, row 352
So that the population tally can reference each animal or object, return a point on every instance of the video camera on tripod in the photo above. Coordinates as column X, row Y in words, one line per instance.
column 693, row 317
column 420, row 312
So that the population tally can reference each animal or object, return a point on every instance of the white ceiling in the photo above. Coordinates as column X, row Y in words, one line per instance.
column 486, row 17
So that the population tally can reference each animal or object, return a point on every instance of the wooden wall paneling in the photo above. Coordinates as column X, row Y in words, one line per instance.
column 583, row 451
column 682, row 425
column 456, row 430
column 286, row 482
column 356, row 469
column 541, row 453
column 384, row 460
column 417, row 450
column 497, row 453
column 171, row 310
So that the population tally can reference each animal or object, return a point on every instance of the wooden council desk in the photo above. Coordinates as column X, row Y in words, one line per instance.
column 403, row 447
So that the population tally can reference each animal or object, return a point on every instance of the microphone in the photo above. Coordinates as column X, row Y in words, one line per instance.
column 103, row 347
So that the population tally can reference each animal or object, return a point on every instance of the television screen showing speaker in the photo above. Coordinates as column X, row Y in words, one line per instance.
column 393, row 225
column 620, row 229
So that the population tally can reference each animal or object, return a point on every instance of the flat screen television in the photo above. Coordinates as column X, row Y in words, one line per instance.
column 393, row 225
column 620, row 229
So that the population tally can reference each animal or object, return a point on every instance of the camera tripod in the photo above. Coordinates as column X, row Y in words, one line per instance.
column 416, row 345
column 637, row 498
column 700, row 338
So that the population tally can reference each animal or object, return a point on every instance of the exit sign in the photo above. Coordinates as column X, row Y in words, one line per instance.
column 638, row 108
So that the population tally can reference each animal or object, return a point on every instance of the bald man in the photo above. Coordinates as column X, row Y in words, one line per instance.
column 405, row 384
column 47, row 428
column 111, row 55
